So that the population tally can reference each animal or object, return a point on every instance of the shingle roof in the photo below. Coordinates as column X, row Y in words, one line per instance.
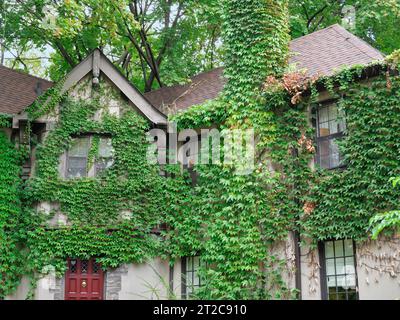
column 320, row 53
column 18, row 90
column 328, row 50
column 204, row 86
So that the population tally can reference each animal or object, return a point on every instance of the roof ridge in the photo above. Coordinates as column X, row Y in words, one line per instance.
column 315, row 32
column 353, row 37
column 187, row 83
column 25, row 74
column 211, row 70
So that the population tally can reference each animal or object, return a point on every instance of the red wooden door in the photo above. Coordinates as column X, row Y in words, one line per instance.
column 84, row 280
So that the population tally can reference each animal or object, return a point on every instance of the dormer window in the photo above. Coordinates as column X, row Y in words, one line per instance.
column 77, row 159
column 330, row 128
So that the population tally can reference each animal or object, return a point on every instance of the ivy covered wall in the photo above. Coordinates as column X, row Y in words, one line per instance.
column 347, row 199
column 232, row 220
column 115, row 217
column 10, row 214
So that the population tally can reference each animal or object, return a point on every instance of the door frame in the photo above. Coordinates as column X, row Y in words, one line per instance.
column 100, row 275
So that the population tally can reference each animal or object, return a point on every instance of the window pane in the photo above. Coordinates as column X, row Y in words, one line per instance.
column 105, row 157
column 341, row 283
column 340, row 269
column 330, row 122
column 77, row 162
column 333, row 112
column 348, row 247
column 76, row 173
column 189, row 264
column 324, row 150
column 76, row 167
column 329, row 156
column 189, row 278
column 329, row 249
column 77, row 157
column 331, row 282
column 325, row 163
column 330, row 267
column 342, row 125
column 196, row 262
column 352, row 295
column 339, row 248
column 105, row 148
column 350, row 281
column 102, row 164
column 79, row 147
column 341, row 296
column 196, row 279
column 324, row 129
column 323, row 115
column 333, row 127
column 334, row 154
column 350, row 265
column 332, row 293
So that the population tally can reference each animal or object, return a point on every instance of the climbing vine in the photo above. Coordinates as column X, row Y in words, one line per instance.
column 243, row 215
column 10, row 213
column 247, row 213
column 114, row 217
column 234, row 221
column 345, row 200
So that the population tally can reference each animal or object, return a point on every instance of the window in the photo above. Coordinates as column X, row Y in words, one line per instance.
column 78, row 154
column 105, row 157
column 77, row 158
column 330, row 127
column 190, row 277
column 338, row 272
column 191, row 157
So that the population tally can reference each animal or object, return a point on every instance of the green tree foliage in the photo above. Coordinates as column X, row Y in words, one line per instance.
column 374, row 21
column 163, row 42
column 154, row 43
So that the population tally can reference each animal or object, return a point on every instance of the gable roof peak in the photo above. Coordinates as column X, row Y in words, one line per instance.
column 96, row 62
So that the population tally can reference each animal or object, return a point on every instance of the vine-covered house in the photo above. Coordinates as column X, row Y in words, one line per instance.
column 94, row 214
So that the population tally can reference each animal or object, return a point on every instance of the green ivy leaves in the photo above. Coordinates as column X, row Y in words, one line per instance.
column 10, row 214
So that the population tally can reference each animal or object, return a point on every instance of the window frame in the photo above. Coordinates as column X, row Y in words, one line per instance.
column 67, row 157
column 331, row 137
column 93, row 169
column 322, row 261
column 184, row 270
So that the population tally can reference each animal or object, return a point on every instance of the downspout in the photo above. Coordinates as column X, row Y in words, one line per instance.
column 171, row 281
column 297, row 251
column 297, row 254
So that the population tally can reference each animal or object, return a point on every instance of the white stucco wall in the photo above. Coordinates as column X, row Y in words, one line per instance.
column 177, row 279
column 146, row 281
column 310, row 273
column 378, row 269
